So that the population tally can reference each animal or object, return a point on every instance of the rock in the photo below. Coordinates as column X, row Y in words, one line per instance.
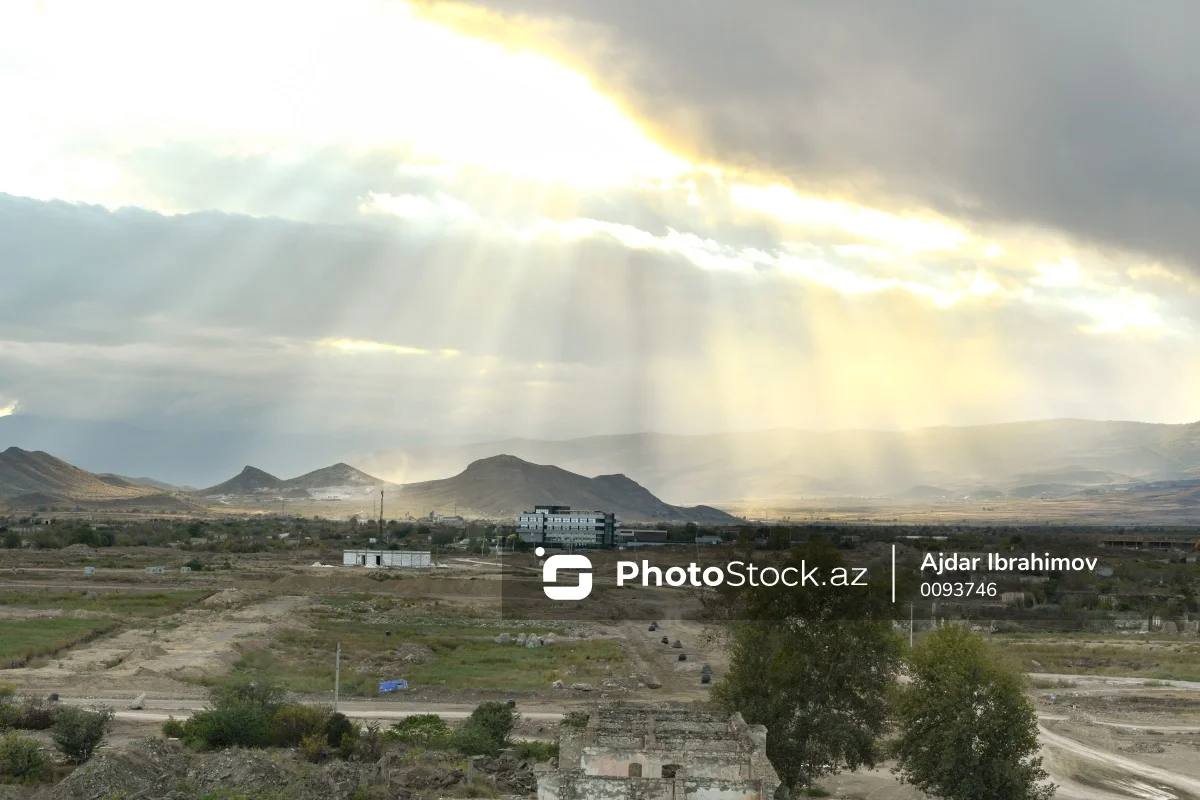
column 548, row 638
column 1035, row 664
column 139, row 702
column 520, row 638
column 583, row 687
column 676, row 644
column 502, row 639
column 533, row 641
column 556, row 684
column 651, row 682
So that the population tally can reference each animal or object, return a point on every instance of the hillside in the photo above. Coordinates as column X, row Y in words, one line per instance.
column 504, row 485
column 786, row 463
column 35, row 472
column 249, row 481
column 338, row 475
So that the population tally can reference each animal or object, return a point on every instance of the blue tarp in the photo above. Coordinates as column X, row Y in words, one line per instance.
column 391, row 686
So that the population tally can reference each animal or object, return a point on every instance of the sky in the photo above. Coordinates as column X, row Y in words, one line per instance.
column 282, row 232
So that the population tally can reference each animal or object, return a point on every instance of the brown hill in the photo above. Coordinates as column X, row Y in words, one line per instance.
column 503, row 486
column 26, row 472
column 250, row 480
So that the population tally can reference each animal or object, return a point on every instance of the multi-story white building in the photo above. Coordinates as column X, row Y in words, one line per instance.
column 559, row 526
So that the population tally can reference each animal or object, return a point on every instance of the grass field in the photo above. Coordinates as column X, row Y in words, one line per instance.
column 456, row 654
column 26, row 639
column 1152, row 657
column 114, row 603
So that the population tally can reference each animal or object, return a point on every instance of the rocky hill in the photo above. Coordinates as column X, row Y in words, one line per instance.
column 35, row 472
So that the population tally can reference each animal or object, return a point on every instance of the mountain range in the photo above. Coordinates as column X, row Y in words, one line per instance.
column 774, row 465
column 497, row 487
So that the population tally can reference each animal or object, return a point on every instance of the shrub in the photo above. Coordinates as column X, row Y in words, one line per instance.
column 174, row 729
column 369, row 747
column 472, row 740
column 495, row 719
column 233, row 724
column 292, row 723
column 313, row 748
column 534, row 750
column 37, row 714
column 244, row 690
column 21, row 758
column 77, row 733
column 336, row 728
column 424, row 730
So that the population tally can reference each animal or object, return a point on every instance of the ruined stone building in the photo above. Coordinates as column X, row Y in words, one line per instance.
column 639, row 753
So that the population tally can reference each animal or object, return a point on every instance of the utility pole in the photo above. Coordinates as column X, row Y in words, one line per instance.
column 337, row 675
column 381, row 515
column 910, row 625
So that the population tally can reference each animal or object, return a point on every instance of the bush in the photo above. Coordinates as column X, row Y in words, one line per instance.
column 337, row 727
column 244, row 690
column 77, row 733
column 495, row 719
column 369, row 747
column 292, row 723
column 313, row 748
column 472, row 740
column 534, row 750
column 174, row 729
column 37, row 714
column 21, row 758
column 233, row 724
column 423, row 730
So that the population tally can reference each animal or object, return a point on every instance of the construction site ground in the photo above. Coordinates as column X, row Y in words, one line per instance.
column 1102, row 737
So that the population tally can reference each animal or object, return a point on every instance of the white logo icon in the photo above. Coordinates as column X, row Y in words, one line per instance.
column 550, row 575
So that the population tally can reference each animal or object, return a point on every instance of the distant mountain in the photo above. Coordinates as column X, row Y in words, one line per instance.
column 24, row 472
column 336, row 476
column 787, row 464
column 154, row 484
column 504, row 486
column 250, row 480
column 337, row 480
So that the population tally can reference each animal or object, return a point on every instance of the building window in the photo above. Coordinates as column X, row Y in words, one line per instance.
column 671, row 770
column 635, row 770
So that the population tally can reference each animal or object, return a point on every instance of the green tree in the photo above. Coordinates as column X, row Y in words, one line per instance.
column 967, row 730
column 813, row 664
column 12, row 540
column 77, row 733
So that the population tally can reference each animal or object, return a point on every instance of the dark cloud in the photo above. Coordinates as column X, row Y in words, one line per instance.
column 1079, row 115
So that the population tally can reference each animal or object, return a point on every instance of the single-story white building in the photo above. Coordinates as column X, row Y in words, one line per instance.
column 386, row 558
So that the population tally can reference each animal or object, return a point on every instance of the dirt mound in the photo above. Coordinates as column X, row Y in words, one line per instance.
column 247, row 771
column 226, row 598
column 79, row 550
column 143, row 768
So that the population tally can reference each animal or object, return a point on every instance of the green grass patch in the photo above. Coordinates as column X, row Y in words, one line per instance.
column 23, row 640
column 459, row 656
column 114, row 603
column 1158, row 658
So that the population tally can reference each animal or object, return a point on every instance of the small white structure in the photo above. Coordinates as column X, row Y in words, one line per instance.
column 155, row 570
column 185, row 570
column 386, row 558
column 89, row 571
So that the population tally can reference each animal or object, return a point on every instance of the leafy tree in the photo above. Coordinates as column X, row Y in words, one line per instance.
column 12, row 540
column 811, row 663
column 77, row 733
column 967, row 730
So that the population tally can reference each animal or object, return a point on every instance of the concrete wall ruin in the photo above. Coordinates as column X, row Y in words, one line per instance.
column 640, row 753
